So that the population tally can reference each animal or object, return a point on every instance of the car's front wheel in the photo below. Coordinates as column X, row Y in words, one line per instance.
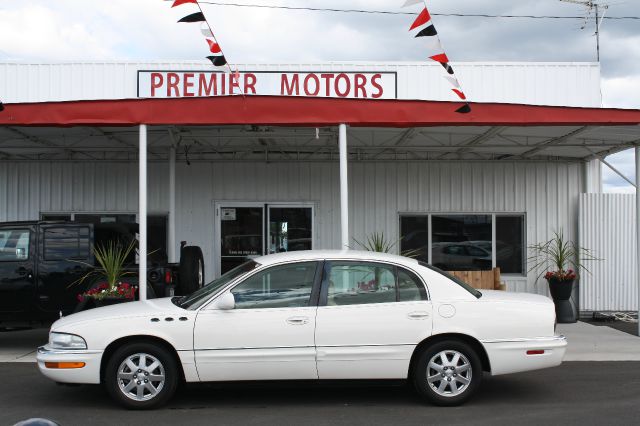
column 447, row 373
column 141, row 375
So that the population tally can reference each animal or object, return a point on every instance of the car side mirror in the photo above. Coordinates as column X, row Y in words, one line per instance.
column 226, row 302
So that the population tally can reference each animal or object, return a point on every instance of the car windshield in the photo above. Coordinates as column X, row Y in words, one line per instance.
column 456, row 280
column 201, row 296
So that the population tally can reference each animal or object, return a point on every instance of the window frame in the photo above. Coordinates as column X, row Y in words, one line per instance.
column 494, row 217
column 315, row 289
column 30, row 239
column 326, row 272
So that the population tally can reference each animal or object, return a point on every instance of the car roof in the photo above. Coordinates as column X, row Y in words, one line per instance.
column 295, row 256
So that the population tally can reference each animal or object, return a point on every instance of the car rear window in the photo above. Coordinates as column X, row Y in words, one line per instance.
column 477, row 294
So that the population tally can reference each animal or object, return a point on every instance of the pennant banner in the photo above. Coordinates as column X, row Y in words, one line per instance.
column 216, row 57
column 424, row 28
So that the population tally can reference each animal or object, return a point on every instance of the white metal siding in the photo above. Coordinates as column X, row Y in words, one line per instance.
column 546, row 192
column 608, row 226
column 561, row 84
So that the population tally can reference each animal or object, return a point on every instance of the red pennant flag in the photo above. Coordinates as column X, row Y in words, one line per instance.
column 460, row 94
column 213, row 46
column 442, row 58
column 423, row 18
column 179, row 2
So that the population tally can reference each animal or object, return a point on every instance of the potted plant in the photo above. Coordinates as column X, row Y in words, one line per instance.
column 565, row 261
column 109, row 287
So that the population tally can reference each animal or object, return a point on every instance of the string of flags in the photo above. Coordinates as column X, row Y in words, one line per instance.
column 423, row 27
column 216, row 57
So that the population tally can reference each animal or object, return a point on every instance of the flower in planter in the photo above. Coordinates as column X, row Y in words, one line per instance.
column 105, row 291
column 562, row 276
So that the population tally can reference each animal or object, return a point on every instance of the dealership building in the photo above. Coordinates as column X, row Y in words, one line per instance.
column 283, row 157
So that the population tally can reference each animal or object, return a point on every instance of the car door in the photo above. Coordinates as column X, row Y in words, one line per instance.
column 17, row 269
column 370, row 319
column 269, row 335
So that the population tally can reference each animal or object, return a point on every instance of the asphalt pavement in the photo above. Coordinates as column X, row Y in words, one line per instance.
column 577, row 393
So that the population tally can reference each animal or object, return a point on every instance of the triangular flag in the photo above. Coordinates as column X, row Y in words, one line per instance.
column 205, row 30
column 194, row 17
column 422, row 19
column 1, row 106
column 442, row 58
column 460, row 94
column 430, row 31
column 433, row 43
column 179, row 2
column 213, row 46
column 217, row 61
column 449, row 68
column 454, row 81
column 411, row 2
column 465, row 109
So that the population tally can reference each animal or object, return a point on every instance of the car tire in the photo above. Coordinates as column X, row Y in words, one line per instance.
column 447, row 373
column 191, row 270
column 132, row 364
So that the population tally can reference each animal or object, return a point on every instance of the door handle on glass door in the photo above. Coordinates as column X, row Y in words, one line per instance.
column 418, row 315
column 297, row 320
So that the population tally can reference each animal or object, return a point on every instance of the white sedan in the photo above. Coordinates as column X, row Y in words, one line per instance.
column 309, row 315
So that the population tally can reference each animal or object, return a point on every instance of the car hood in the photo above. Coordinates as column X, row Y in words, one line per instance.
column 506, row 296
column 121, row 310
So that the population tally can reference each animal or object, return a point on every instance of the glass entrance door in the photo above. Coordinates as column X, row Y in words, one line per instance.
column 251, row 230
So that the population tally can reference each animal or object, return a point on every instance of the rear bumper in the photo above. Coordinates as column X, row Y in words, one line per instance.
column 89, row 374
column 510, row 356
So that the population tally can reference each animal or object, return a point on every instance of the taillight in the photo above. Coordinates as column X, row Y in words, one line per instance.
column 535, row 352
column 168, row 278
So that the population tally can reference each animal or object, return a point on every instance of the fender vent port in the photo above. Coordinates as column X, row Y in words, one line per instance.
column 155, row 319
column 168, row 319
column 183, row 319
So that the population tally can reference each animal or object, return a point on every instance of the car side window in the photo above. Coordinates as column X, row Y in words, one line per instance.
column 355, row 283
column 283, row 286
column 14, row 245
column 66, row 243
column 410, row 288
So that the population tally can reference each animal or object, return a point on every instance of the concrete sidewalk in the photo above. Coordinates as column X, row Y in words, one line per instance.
column 586, row 343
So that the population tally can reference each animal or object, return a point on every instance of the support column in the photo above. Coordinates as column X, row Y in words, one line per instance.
column 142, row 212
column 172, row 205
column 344, row 188
column 638, row 229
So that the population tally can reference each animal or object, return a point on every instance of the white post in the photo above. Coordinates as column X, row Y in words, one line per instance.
column 638, row 229
column 344, row 187
column 172, row 205
column 142, row 212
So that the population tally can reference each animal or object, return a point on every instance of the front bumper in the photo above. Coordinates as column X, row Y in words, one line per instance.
column 89, row 374
column 510, row 356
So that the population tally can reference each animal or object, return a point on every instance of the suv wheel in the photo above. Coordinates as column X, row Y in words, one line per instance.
column 141, row 376
column 447, row 373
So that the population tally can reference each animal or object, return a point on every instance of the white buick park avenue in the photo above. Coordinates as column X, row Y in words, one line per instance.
column 312, row 315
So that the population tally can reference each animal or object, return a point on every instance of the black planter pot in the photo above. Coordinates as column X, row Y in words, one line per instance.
column 108, row 301
column 561, row 292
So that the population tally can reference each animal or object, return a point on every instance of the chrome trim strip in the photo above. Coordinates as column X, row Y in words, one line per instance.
column 47, row 351
column 531, row 340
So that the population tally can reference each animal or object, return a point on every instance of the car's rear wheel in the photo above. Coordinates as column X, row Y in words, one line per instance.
column 141, row 376
column 447, row 373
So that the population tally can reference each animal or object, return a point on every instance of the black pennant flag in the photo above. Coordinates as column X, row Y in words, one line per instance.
column 430, row 31
column 1, row 106
column 194, row 17
column 217, row 61
column 465, row 109
column 448, row 67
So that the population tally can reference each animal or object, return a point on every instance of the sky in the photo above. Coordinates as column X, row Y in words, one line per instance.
column 64, row 30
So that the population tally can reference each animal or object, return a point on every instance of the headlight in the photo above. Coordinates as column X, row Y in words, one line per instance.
column 66, row 341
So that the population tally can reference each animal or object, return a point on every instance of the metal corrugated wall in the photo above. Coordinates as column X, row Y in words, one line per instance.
column 554, row 83
column 546, row 192
column 608, row 226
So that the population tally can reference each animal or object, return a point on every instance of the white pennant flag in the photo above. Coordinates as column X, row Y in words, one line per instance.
column 204, row 29
column 454, row 81
column 411, row 2
column 433, row 43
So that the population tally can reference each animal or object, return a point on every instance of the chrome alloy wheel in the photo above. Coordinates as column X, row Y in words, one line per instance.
column 449, row 373
column 141, row 377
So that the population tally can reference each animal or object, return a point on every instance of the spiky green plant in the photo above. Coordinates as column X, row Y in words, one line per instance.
column 560, row 254
column 111, row 259
column 378, row 242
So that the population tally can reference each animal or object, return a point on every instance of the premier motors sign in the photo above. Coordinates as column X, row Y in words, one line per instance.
column 184, row 84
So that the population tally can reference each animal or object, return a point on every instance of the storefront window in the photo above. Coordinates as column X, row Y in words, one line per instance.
column 465, row 242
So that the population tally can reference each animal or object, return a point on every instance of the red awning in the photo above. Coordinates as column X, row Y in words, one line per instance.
column 299, row 111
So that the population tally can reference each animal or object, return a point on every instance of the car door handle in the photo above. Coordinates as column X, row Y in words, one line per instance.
column 297, row 320
column 418, row 315
column 22, row 271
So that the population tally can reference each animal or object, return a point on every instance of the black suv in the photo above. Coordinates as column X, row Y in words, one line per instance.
column 42, row 262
